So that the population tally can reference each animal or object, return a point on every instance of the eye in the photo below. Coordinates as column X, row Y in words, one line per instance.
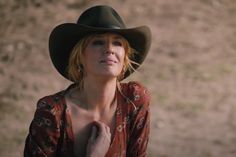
column 118, row 43
column 98, row 42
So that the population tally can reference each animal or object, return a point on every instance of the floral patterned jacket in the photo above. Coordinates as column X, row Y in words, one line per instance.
column 51, row 135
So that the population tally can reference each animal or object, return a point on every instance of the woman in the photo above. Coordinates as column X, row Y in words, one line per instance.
column 97, row 115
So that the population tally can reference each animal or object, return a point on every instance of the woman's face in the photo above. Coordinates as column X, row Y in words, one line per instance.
column 104, row 56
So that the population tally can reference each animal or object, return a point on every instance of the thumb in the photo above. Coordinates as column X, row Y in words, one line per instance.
column 94, row 133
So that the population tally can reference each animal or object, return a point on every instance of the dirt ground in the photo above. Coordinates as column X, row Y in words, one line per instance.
column 190, row 70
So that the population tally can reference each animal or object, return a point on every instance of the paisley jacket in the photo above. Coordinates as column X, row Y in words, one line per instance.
column 50, row 133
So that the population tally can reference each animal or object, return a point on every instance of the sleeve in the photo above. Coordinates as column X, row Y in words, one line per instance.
column 140, row 122
column 43, row 132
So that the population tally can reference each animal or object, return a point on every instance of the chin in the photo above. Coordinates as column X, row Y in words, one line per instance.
column 109, row 74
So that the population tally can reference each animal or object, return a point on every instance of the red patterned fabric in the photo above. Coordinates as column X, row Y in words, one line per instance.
column 51, row 135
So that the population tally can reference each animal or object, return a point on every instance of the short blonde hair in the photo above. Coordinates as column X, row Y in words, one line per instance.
column 75, row 69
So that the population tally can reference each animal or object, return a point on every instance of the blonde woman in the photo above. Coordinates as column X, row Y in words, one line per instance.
column 97, row 115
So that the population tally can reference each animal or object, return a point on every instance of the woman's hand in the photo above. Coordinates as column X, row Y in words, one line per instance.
column 99, row 141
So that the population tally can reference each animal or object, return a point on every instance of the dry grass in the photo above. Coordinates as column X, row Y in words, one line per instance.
column 190, row 70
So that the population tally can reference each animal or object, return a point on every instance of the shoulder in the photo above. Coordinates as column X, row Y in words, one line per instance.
column 136, row 92
column 51, row 103
column 47, row 115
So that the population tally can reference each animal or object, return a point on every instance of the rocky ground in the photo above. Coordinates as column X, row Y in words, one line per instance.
column 190, row 70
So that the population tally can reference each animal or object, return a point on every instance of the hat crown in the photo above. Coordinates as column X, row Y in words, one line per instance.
column 102, row 17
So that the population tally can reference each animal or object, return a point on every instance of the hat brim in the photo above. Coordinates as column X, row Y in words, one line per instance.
column 65, row 36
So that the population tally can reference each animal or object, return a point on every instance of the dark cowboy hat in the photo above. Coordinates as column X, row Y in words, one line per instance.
column 97, row 19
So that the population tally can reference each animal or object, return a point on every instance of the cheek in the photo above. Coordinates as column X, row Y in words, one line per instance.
column 85, row 60
column 121, row 55
column 90, row 55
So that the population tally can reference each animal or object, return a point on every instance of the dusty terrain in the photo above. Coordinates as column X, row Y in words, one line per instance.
column 190, row 70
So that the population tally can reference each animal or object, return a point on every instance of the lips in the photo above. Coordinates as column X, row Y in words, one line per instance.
column 108, row 61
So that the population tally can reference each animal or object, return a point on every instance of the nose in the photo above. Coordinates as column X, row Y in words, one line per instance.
column 109, row 49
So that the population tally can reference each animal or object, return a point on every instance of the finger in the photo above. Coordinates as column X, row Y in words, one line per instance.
column 101, row 127
column 108, row 132
column 94, row 133
column 107, row 129
column 104, row 130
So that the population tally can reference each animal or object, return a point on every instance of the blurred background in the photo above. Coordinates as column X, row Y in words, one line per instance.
column 190, row 70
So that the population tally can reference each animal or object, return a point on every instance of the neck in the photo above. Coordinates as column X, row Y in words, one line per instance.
column 99, row 94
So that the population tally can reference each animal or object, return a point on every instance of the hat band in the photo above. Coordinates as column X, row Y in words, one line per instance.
column 105, row 26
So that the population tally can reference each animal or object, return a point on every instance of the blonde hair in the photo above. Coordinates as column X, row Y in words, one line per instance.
column 75, row 69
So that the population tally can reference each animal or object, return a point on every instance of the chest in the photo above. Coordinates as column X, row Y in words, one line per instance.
column 82, row 122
